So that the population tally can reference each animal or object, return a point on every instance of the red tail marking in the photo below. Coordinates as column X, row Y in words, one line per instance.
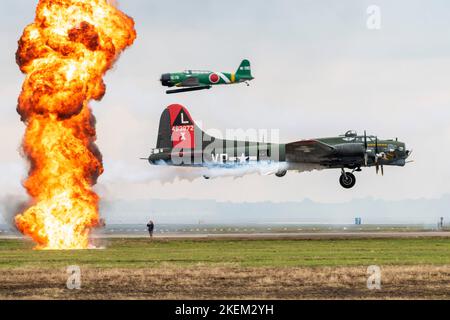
column 182, row 126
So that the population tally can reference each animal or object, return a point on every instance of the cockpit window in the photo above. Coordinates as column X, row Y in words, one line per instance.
column 351, row 133
column 197, row 71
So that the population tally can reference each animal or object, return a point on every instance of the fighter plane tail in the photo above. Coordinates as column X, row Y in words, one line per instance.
column 176, row 128
column 244, row 71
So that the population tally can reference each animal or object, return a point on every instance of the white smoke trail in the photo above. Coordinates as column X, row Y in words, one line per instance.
column 120, row 172
column 238, row 170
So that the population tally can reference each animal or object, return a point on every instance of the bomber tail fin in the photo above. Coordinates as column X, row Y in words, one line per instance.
column 244, row 71
column 176, row 128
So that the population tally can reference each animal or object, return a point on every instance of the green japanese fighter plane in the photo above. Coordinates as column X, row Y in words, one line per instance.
column 182, row 143
column 192, row 80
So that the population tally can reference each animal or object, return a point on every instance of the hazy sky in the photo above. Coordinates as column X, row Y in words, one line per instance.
column 319, row 72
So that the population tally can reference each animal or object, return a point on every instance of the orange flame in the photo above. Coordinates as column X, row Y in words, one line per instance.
column 64, row 54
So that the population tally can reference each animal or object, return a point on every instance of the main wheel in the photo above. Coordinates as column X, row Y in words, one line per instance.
column 347, row 180
column 281, row 174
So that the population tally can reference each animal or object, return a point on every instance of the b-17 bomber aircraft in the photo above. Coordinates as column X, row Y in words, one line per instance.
column 182, row 143
column 192, row 80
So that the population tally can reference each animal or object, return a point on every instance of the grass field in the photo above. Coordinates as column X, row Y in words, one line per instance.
column 138, row 268
column 141, row 253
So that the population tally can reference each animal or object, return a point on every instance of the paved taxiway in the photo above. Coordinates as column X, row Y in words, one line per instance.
column 273, row 236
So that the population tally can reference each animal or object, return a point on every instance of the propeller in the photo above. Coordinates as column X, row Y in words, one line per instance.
column 366, row 155
column 377, row 166
column 382, row 169
column 408, row 153
column 379, row 156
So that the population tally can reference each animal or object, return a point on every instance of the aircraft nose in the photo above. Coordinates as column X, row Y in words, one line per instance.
column 165, row 79
column 408, row 154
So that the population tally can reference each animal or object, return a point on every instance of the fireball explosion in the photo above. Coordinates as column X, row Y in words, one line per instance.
column 64, row 55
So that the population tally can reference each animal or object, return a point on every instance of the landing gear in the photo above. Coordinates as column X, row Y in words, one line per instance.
column 281, row 174
column 207, row 177
column 347, row 180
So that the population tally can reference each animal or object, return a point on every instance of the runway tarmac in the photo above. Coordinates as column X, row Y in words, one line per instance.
column 293, row 236
column 271, row 236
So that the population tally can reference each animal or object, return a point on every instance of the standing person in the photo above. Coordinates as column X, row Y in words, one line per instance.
column 150, row 227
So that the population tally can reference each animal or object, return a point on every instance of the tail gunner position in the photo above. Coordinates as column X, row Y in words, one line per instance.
column 182, row 143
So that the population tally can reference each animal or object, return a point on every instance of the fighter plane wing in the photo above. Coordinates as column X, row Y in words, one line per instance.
column 187, row 89
column 308, row 151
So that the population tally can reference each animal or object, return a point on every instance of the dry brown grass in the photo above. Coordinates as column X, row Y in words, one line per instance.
column 228, row 282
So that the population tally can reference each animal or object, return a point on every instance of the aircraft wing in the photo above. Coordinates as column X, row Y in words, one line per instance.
column 189, row 82
column 187, row 89
column 308, row 151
